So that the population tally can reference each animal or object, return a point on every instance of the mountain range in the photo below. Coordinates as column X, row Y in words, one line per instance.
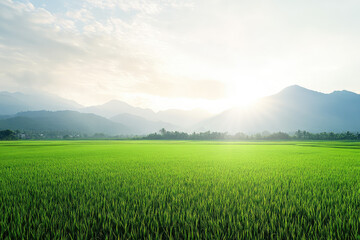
column 63, row 121
column 181, row 118
column 12, row 103
column 46, row 112
column 291, row 109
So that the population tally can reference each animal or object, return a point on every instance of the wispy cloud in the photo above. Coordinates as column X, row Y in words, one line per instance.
column 49, row 51
column 95, row 50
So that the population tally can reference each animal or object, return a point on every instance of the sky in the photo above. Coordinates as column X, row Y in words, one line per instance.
column 186, row 54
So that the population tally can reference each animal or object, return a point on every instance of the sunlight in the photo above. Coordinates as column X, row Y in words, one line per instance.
column 243, row 99
column 243, row 95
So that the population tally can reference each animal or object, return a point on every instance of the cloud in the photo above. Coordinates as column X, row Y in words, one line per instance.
column 142, row 6
column 183, row 87
column 193, row 49
column 54, row 52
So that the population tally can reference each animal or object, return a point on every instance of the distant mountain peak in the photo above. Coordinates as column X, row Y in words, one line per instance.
column 11, row 103
column 344, row 92
column 114, row 102
column 296, row 89
column 295, row 86
column 291, row 109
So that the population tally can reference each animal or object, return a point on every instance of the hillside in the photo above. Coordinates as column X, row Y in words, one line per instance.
column 115, row 107
column 182, row 118
column 63, row 121
column 139, row 125
column 12, row 103
column 291, row 109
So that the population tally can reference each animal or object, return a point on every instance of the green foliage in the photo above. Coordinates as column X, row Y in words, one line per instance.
column 299, row 135
column 7, row 135
column 179, row 190
column 170, row 135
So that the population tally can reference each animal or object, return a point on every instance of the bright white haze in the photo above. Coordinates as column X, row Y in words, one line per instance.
column 178, row 54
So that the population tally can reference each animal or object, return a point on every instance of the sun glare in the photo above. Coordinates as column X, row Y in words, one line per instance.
column 242, row 96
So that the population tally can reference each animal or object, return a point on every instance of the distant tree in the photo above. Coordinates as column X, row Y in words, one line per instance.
column 278, row 136
column 162, row 131
column 7, row 135
column 299, row 134
column 99, row 135
column 67, row 136
column 282, row 136
column 241, row 136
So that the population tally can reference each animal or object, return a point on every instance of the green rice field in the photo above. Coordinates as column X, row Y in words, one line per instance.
column 179, row 190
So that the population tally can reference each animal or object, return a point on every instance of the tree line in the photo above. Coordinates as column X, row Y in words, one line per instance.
column 8, row 135
column 163, row 134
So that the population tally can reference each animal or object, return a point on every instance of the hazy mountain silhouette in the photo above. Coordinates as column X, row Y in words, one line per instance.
column 139, row 125
column 182, row 118
column 137, row 120
column 291, row 109
column 63, row 121
column 115, row 107
column 11, row 103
